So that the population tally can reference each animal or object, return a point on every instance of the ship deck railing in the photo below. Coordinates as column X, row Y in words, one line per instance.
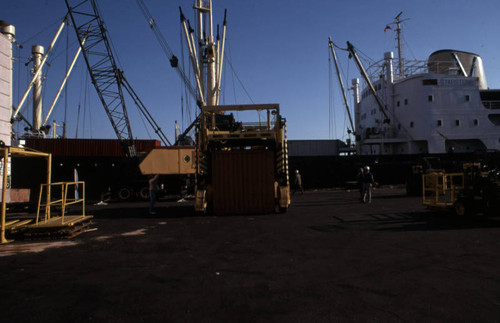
column 410, row 68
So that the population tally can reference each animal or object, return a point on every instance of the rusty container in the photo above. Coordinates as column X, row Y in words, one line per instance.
column 243, row 182
column 87, row 147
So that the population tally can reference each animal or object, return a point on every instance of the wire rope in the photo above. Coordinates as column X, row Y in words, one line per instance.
column 145, row 126
column 183, row 86
column 85, row 105
column 232, row 73
column 333, row 118
column 66, row 85
column 58, row 21
column 408, row 46
column 239, row 80
column 91, row 125
column 329, row 97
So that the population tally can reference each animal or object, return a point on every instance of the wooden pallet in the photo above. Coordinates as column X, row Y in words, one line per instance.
column 55, row 228
column 16, row 225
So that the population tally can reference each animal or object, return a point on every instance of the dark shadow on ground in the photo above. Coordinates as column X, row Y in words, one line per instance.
column 128, row 212
column 415, row 221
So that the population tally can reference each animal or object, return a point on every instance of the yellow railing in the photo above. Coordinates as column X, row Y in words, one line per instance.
column 441, row 189
column 63, row 201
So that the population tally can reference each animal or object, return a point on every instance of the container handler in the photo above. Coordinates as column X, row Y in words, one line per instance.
column 239, row 167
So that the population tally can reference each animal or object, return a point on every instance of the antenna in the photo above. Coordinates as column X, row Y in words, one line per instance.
column 398, row 38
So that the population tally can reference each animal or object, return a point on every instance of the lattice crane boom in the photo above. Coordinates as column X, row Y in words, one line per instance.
column 102, row 67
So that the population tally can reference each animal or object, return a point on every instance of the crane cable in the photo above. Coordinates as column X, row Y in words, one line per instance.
column 174, row 61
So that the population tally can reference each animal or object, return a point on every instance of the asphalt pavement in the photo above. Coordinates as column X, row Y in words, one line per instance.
column 329, row 258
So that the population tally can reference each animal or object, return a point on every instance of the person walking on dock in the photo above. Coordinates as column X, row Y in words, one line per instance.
column 360, row 183
column 153, row 189
column 298, row 183
column 368, row 182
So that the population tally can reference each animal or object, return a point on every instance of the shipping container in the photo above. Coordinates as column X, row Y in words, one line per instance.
column 62, row 147
column 243, row 182
column 321, row 147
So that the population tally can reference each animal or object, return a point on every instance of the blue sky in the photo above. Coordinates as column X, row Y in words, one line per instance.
column 279, row 51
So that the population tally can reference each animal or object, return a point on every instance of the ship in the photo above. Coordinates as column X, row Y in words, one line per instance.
column 437, row 106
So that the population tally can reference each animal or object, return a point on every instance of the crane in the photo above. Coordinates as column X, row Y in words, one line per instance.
column 109, row 81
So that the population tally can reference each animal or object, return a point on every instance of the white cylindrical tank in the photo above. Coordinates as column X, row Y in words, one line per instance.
column 389, row 57
column 9, row 32
column 355, row 92
column 37, row 52
column 6, row 39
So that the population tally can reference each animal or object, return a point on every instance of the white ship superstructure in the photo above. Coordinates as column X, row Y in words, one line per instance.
column 437, row 106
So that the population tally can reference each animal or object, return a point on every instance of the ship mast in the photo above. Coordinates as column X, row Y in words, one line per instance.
column 398, row 37
column 206, row 52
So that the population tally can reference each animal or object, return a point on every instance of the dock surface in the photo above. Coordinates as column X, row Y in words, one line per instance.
column 329, row 258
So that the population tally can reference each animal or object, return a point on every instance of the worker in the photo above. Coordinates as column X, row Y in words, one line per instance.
column 153, row 189
column 360, row 183
column 298, row 183
column 368, row 182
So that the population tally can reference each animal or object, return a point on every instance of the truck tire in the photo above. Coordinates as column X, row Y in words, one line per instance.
column 462, row 208
column 144, row 193
column 125, row 194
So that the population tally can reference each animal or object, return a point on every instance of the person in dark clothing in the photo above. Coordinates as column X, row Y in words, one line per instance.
column 368, row 182
column 360, row 183
column 153, row 189
column 297, row 183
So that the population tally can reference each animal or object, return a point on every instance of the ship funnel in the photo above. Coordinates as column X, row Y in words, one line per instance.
column 454, row 62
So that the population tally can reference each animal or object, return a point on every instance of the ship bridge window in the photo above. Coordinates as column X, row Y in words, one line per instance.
column 430, row 98
column 430, row 82
column 406, row 101
column 457, row 122
column 440, row 123
column 467, row 98
column 476, row 122
column 397, row 104
column 411, row 124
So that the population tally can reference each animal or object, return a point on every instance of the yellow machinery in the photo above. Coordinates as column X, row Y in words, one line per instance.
column 468, row 192
column 441, row 189
column 62, row 225
column 169, row 161
column 6, row 153
column 239, row 167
